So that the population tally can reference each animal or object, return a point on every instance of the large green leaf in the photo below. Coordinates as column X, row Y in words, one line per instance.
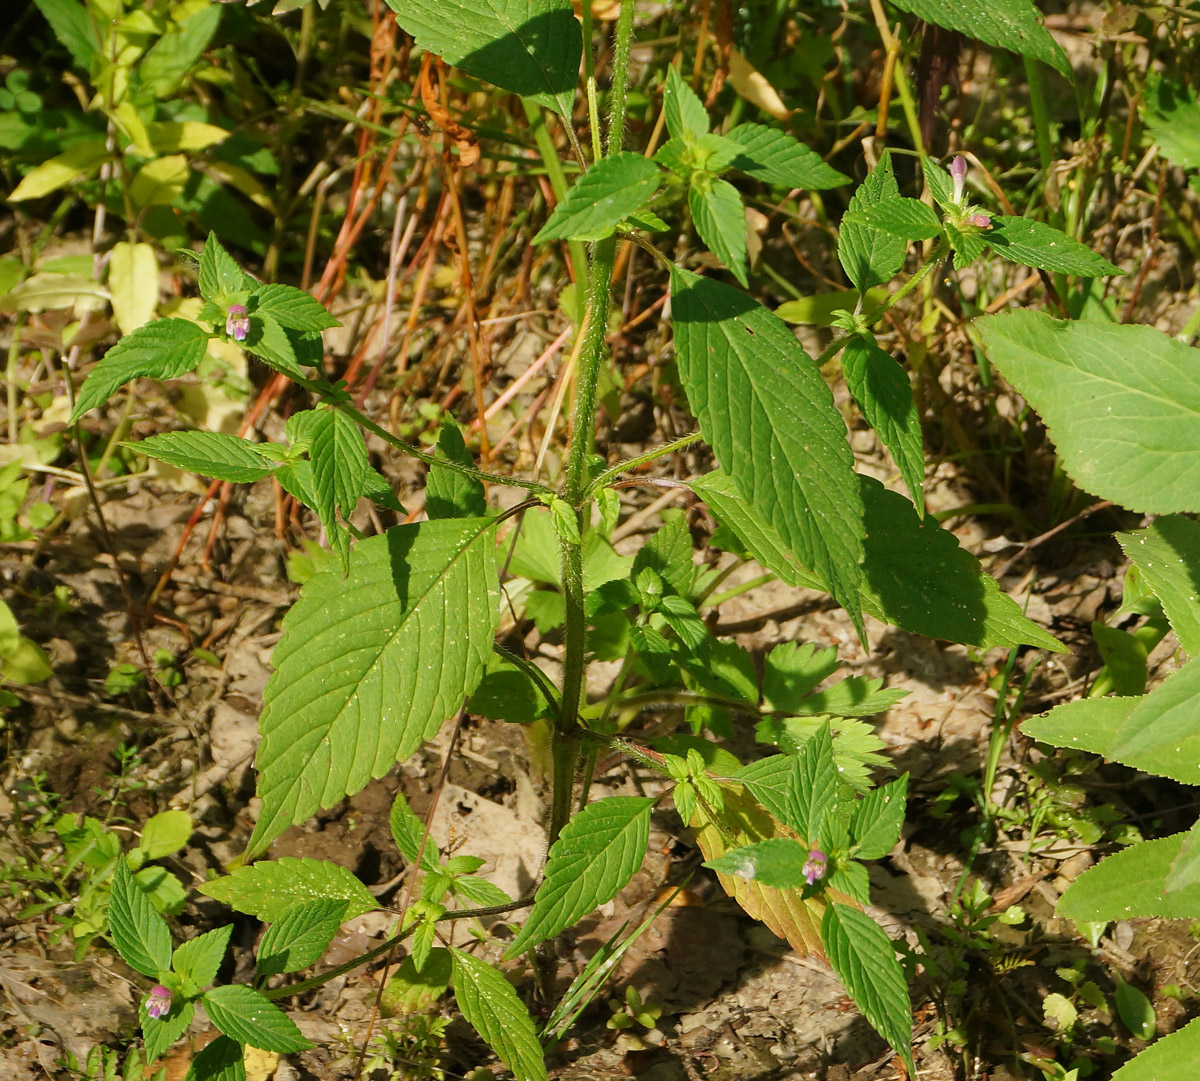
column 292, row 308
column 1162, row 732
column 1172, row 115
column 1185, row 870
column 1173, row 1058
column 221, row 1060
column 598, row 852
column 1010, row 24
column 371, row 664
column 875, row 825
column 864, row 958
column 528, row 47
column 771, row 421
column 869, row 255
column 884, row 394
column 908, row 219
column 1122, row 403
column 1128, row 885
column 609, row 192
column 244, row 1015
column 491, row 1006
column 164, row 349
column 775, row 157
column 1087, row 724
column 778, row 862
column 1167, row 553
column 1035, row 244
column 211, row 454
column 269, row 888
column 138, row 932
column 73, row 26
column 300, row 937
column 918, row 578
column 720, row 222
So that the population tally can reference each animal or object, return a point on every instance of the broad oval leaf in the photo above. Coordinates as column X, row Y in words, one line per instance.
column 599, row 851
column 865, row 960
column 139, row 933
column 1167, row 553
column 1038, row 245
column 164, row 349
column 1122, row 404
column 771, row 421
column 491, row 1006
column 244, row 1015
column 775, row 157
column 609, row 192
column 211, row 454
column 269, row 888
column 1129, row 885
column 1087, row 724
column 528, row 47
column 1010, row 24
column 1173, row 1058
column 371, row 664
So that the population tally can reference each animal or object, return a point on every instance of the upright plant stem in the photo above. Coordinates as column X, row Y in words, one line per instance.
column 583, row 422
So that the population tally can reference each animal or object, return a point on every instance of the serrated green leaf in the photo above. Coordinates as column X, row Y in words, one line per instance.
column 169, row 59
column 864, row 958
column 1185, row 868
column 506, row 693
column 1024, row 240
column 268, row 889
column 491, row 1007
column 775, row 157
column 378, row 490
column 408, row 831
column 74, row 28
column 1122, row 403
column 221, row 279
column 941, row 185
column 221, row 1060
column 273, row 345
column 339, row 463
column 164, row 349
column 343, row 708
column 871, row 256
column 527, row 47
column 1087, row 724
column 770, row 419
column 1162, row 732
column 1009, row 24
column 1173, row 1058
column 1167, row 553
column 300, row 937
column 797, row 788
column 686, row 115
column 478, row 892
column 160, row 1034
column 449, row 493
column 598, row 852
column 855, row 744
column 875, row 824
column 777, row 862
column 243, row 1014
column 909, row 219
column 138, row 932
column 292, row 308
column 1172, row 116
column 199, row 958
column 1129, row 885
column 211, row 454
column 884, row 394
column 611, row 190
column 720, row 221
column 164, row 833
column 918, row 577
column 791, row 670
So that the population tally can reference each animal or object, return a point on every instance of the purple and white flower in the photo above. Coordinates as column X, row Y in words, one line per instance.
column 815, row 865
column 237, row 322
column 158, row 1005
column 958, row 174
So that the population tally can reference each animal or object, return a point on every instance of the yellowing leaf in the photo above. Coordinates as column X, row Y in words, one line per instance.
column 133, row 128
column 133, row 282
column 45, row 290
column 751, row 84
column 241, row 179
column 82, row 159
column 743, row 822
column 159, row 182
column 169, row 138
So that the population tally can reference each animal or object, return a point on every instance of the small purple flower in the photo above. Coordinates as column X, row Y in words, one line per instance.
column 980, row 221
column 158, row 1005
column 814, row 867
column 958, row 173
column 237, row 322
